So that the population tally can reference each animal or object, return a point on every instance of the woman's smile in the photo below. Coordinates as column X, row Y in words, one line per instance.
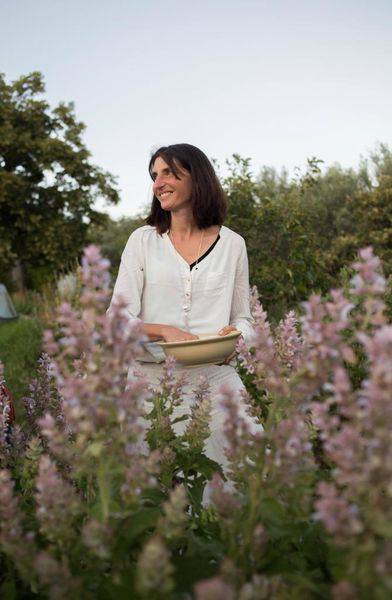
column 165, row 194
column 180, row 185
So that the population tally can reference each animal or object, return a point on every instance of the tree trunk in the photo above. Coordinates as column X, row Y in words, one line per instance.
column 18, row 276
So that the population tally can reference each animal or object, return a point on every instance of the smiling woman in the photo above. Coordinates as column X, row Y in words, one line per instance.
column 172, row 186
column 185, row 274
column 185, row 169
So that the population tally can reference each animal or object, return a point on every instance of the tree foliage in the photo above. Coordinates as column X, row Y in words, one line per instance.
column 284, row 259
column 366, row 215
column 301, row 233
column 48, row 185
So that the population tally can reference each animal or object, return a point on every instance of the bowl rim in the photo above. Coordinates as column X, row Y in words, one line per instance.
column 212, row 339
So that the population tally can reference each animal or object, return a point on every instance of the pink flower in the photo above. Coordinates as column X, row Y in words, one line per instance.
column 337, row 515
column 288, row 342
column 214, row 589
column 15, row 542
column 224, row 498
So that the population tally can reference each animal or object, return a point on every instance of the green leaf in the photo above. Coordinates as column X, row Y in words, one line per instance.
column 178, row 419
column 142, row 520
column 189, row 570
column 8, row 590
column 95, row 449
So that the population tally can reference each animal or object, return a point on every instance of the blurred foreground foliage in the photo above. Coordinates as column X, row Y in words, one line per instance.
column 102, row 494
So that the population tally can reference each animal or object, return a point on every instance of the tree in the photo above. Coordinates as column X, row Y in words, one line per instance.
column 301, row 232
column 365, row 219
column 48, row 185
column 284, row 262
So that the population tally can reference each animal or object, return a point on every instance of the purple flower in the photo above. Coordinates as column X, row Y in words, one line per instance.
column 17, row 543
column 197, row 429
column 57, row 504
column 224, row 498
column 288, row 342
column 337, row 515
column 154, row 569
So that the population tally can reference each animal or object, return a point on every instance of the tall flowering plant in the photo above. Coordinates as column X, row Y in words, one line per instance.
column 99, row 497
column 319, row 476
column 81, row 490
column 355, row 422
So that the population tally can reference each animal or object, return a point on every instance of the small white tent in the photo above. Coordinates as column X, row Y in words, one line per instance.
column 7, row 310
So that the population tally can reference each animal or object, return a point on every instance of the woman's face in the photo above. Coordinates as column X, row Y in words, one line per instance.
column 171, row 192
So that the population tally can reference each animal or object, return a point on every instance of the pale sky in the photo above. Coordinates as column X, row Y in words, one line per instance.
column 277, row 81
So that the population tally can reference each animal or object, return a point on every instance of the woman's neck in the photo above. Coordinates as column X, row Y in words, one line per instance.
column 183, row 226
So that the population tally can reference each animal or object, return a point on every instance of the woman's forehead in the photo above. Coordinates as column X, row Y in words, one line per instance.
column 160, row 164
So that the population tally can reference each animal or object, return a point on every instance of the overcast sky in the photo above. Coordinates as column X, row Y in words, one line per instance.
column 277, row 81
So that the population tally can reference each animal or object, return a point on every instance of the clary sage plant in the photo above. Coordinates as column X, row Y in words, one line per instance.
column 100, row 499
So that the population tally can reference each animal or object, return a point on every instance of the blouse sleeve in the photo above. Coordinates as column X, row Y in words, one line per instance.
column 240, row 316
column 130, row 278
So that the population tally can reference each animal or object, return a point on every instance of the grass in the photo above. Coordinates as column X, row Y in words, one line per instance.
column 21, row 340
column 20, row 348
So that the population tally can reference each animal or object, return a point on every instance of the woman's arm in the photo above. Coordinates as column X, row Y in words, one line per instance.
column 129, row 287
column 167, row 333
column 240, row 316
column 130, row 278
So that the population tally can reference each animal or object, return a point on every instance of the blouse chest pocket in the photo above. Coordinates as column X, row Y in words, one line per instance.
column 215, row 283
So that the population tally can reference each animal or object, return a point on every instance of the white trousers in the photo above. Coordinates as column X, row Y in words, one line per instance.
column 217, row 375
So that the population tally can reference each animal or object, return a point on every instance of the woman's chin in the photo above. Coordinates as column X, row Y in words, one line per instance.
column 175, row 206
column 167, row 206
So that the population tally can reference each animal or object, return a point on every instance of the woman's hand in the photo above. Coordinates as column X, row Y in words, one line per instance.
column 173, row 334
column 225, row 331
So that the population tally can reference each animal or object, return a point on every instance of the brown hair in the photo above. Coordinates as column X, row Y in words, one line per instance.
column 208, row 199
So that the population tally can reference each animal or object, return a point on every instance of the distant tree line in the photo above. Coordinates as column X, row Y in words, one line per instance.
column 301, row 232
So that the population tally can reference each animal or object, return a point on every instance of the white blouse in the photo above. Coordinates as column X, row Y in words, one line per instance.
column 158, row 286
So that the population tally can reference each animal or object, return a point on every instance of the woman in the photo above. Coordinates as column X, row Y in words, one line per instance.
column 185, row 273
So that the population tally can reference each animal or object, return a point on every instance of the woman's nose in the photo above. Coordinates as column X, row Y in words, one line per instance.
column 157, row 183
